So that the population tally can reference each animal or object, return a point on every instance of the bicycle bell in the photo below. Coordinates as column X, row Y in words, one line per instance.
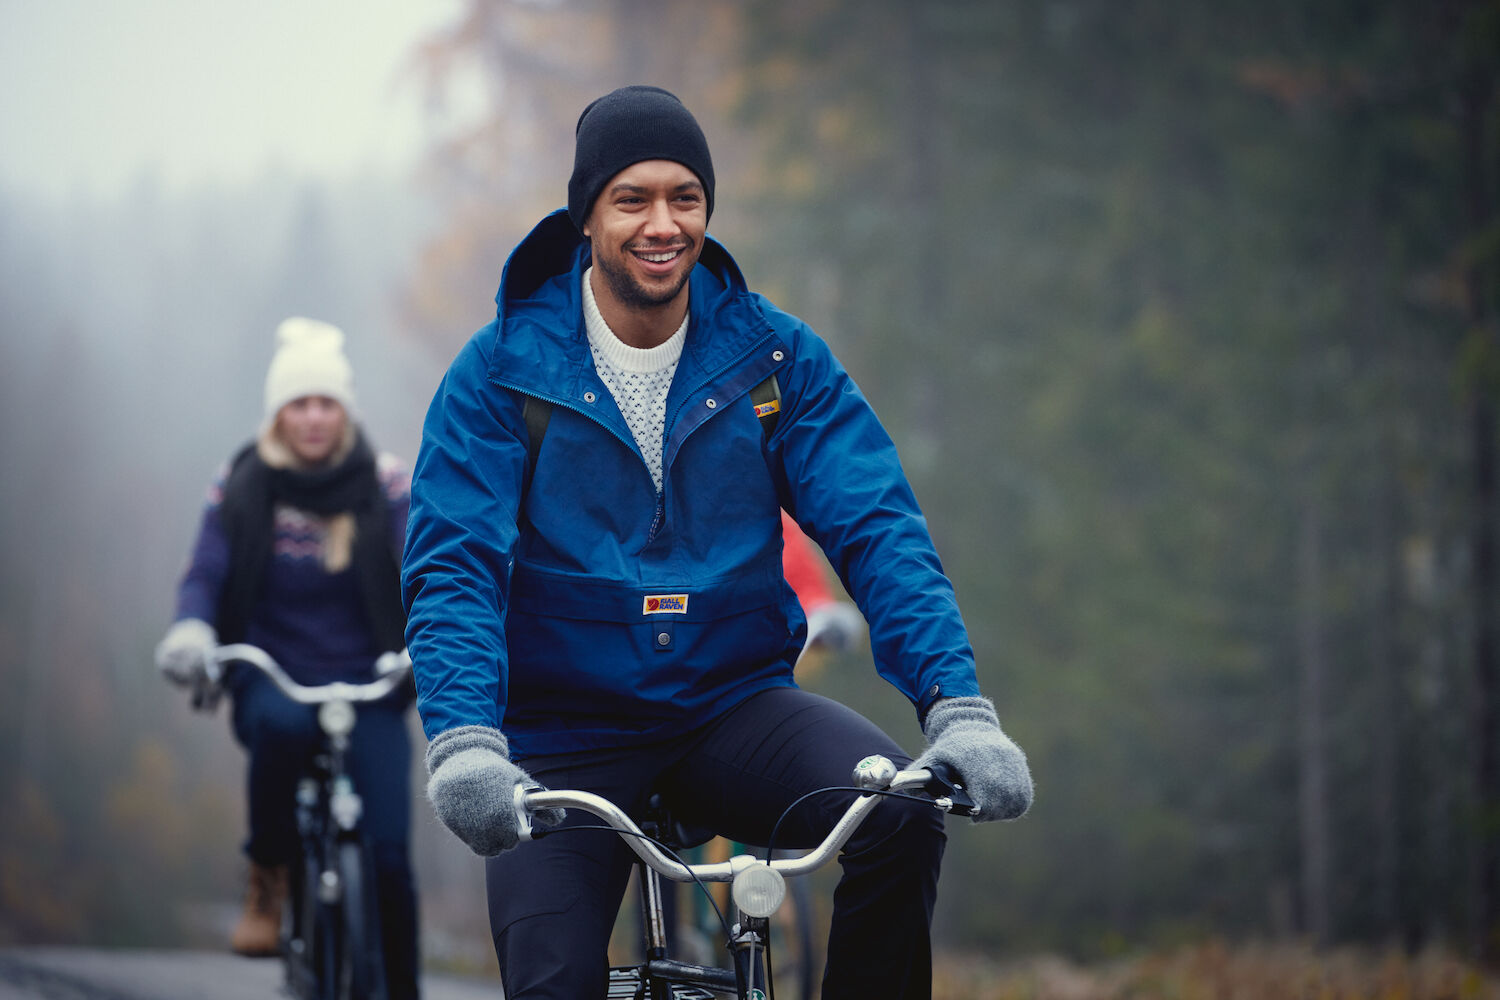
column 875, row 772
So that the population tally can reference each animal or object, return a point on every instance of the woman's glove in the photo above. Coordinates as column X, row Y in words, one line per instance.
column 965, row 734
column 182, row 655
column 472, row 786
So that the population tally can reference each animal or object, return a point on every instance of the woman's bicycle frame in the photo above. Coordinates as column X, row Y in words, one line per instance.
column 757, row 885
column 332, row 943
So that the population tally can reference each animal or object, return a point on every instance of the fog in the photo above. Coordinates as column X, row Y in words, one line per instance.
column 1182, row 317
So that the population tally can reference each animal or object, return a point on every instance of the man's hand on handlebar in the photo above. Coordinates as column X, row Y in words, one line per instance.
column 965, row 735
column 472, row 786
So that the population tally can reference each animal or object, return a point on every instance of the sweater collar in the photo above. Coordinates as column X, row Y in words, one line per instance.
column 540, row 331
column 620, row 354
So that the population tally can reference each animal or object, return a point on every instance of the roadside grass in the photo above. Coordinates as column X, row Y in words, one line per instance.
column 1218, row 971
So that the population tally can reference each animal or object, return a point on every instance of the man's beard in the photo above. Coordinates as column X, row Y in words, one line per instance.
column 631, row 293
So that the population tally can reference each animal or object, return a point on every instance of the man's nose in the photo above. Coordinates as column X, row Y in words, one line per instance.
column 659, row 218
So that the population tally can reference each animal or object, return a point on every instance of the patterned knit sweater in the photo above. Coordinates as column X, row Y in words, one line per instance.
column 310, row 620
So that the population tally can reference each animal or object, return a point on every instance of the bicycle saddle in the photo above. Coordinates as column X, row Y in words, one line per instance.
column 659, row 823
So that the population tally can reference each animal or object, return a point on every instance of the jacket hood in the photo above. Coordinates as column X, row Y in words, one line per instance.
column 555, row 247
column 539, row 333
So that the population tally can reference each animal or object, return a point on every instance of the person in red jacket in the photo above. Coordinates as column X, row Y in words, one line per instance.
column 834, row 625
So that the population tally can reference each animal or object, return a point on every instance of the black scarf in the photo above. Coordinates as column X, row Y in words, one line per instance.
column 251, row 492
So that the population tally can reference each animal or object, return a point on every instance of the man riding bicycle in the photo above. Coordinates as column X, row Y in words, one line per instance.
column 603, row 603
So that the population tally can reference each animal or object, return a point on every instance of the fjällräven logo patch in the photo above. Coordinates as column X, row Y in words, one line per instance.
column 665, row 604
column 766, row 409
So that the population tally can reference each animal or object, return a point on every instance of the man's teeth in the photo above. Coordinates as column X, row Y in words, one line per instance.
column 659, row 258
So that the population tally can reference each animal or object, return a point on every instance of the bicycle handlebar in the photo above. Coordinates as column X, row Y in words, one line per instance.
column 875, row 773
column 394, row 668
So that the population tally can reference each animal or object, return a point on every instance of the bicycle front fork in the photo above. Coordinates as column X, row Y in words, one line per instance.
column 749, row 946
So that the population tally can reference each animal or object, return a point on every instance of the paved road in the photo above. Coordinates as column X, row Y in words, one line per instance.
column 99, row 974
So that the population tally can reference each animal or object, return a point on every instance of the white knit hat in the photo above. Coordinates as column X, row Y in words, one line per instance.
column 309, row 361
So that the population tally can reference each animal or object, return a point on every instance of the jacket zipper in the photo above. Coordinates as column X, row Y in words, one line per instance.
column 661, row 497
column 659, row 516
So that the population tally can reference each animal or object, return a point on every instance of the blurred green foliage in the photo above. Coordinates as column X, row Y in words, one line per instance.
column 1184, row 318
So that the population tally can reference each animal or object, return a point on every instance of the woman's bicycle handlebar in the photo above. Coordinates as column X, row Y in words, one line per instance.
column 391, row 669
column 875, row 773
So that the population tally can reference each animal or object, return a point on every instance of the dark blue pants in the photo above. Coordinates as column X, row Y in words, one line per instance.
column 553, row 902
column 281, row 738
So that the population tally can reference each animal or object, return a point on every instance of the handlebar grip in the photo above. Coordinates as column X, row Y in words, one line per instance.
column 945, row 784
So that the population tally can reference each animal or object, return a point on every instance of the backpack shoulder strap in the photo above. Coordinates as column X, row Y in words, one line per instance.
column 767, row 400
column 536, row 413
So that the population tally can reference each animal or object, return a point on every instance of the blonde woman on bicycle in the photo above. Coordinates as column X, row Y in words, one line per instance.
column 298, row 552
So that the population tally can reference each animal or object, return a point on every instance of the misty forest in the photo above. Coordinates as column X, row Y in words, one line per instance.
column 1184, row 316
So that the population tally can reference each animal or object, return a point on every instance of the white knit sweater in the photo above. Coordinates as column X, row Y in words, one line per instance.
column 637, row 377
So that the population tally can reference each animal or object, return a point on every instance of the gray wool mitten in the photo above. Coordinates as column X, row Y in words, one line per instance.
column 472, row 786
column 182, row 655
column 965, row 734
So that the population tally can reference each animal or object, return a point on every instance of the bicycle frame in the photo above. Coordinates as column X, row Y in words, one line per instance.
column 757, row 884
column 332, row 948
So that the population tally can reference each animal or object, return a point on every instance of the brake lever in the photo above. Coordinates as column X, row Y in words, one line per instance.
column 944, row 786
column 205, row 695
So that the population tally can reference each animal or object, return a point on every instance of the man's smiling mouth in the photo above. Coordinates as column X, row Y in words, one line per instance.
column 659, row 256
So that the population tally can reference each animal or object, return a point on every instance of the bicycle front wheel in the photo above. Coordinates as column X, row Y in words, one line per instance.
column 361, row 965
column 306, row 936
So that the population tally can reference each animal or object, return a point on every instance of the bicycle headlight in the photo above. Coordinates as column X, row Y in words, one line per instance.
column 758, row 890
column 336, row 718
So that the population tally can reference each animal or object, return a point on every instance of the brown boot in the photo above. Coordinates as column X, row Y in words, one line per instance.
column 258, row 934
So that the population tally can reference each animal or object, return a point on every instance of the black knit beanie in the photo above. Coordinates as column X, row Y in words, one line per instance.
column 627, row 126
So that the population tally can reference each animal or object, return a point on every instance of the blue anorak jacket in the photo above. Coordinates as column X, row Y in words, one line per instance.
column 575, row 608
